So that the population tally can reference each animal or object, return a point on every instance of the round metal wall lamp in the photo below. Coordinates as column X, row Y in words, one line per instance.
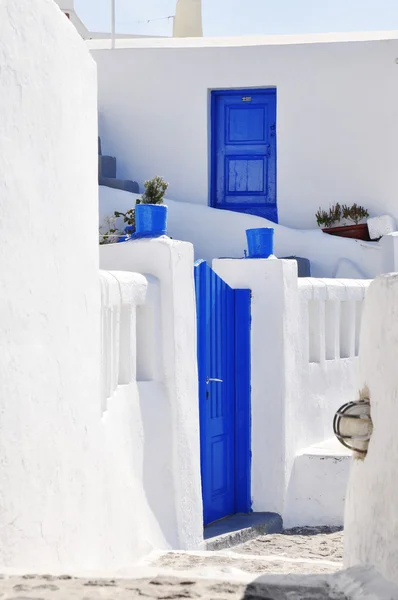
column 352, row 425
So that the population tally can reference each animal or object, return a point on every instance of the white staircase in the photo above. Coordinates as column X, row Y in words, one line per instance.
column 317, row 487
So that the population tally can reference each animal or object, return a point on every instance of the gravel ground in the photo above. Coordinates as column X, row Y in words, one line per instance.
column 321, row 543
column 157, row 588
column 306, row 550
column 240, row 573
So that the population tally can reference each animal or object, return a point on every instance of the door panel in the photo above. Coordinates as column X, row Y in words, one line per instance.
column 223, row 330
column 244, row 152
column 216, row 353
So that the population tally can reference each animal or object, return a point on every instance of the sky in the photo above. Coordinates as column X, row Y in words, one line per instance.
column 245, row 17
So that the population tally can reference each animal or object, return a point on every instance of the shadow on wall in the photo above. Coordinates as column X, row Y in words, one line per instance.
column 107, row 171
column 155, row 414
column 157, row 458
column 220, row 233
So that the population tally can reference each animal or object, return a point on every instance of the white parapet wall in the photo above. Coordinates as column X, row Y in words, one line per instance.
column 143, row 423
column 133, row 453
column 371, row 518
column 220, row 233
column 304, row 344
column 166, row 372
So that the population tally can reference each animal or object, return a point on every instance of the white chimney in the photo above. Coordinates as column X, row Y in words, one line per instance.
column 188, row 19
column 66, row 5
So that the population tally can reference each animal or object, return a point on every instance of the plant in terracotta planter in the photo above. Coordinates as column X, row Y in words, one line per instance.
column 354, row 213
column 327, row 218
column 330, row 221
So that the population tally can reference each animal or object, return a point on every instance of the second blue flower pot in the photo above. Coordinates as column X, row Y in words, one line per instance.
column 260, row 242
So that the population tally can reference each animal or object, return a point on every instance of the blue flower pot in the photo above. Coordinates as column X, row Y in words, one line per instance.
column 260, row 242
column 150, row 220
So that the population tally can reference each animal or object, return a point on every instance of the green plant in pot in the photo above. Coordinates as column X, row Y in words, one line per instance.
column 149, row 217
column 330, row 221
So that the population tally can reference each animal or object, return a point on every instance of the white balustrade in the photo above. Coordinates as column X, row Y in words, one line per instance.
column 331, row 312
column 121, row 293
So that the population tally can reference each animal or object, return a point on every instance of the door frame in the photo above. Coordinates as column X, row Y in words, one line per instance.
column 243, row 404
column 242, row 386
column 214, row 94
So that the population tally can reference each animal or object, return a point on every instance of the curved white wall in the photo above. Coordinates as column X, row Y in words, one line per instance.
column 49, row 290
column 371, row 518
column 337, row 115
column 220, row 233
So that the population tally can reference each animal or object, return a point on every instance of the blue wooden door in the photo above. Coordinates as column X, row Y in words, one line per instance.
column 244, row 152
column 223, row 318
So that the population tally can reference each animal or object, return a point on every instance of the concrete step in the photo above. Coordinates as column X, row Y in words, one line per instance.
column 119, row 184
column 215, row 563
column 107, row 166
column 240, row 528
column 317, row 487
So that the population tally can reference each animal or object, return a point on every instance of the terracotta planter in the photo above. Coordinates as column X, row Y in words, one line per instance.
column 358, row 232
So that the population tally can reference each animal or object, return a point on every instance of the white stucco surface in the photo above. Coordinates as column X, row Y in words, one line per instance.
column 50, row 302
column 219, row 233
column 303, row 367
column 381, row 225
column 168, row 393
column 98, row 429
column 133, row 449
column 326, row 111
column 271, row 323
column 317, row 487
column 371, row 519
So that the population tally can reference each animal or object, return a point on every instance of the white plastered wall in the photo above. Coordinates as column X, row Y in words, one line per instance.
column 275, row 380
column 371, row 518
column 169, row 398
column 77, row 493
column 337, row 118
column 50, row 303
column 293, row 400
column 219, row 233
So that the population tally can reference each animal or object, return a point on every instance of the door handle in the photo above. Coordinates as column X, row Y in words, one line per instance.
column 209, row 379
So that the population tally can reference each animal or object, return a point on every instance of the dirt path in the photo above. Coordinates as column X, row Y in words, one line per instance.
column 159, row 588
column 299, row 551
column 246, row 572
column 319, row 543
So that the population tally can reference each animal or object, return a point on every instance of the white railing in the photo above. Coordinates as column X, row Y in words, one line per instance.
column 121, row 294
column 331, row 316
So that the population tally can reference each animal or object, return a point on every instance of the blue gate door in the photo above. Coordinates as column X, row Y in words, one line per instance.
column 244, row 151
column 223, row 320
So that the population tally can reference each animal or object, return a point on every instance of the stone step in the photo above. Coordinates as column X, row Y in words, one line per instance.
column 240, row 528
column 107, row 166
column 215, row 563
column 317, row 486
column 120, row 184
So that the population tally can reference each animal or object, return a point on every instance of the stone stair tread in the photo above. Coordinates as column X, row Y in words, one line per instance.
column 328, row 448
